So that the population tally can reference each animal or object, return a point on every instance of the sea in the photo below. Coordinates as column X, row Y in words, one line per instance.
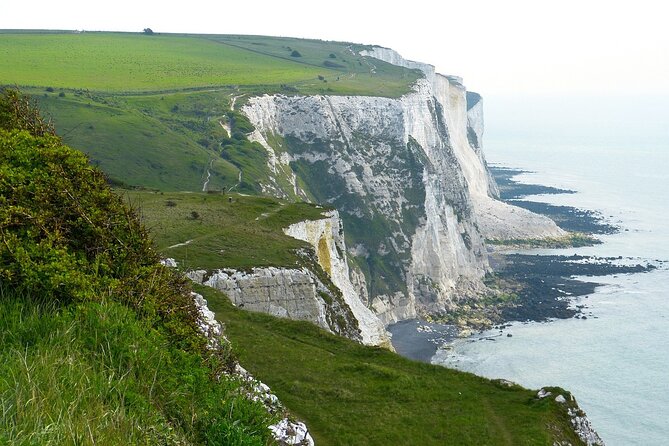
column 615, row 362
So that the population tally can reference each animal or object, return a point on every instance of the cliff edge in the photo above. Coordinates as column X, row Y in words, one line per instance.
column 408, row 177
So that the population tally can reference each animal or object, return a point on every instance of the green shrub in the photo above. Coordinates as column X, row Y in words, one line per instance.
column 18, row 112
column 65, row 235
column 331, row 64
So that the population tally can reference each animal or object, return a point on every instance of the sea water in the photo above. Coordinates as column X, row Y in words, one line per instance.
column 616, row 362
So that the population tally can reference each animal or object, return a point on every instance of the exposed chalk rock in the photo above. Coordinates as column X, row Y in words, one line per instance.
column 283, row 292
column 287, row 432
column 579, row 420
column 169, row 262
column 327, row 238
column 583, row 428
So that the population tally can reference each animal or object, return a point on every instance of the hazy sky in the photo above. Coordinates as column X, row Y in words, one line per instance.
column 502, row 49
column 499, row 47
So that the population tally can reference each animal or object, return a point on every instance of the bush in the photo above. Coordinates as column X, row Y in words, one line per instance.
column 18, row 112
column 65, row 235
column 295, row 53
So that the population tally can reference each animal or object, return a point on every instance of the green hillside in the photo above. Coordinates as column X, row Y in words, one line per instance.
column 160, row 142
column 350, row 394
column 127, row 62
column 152, row 110
column 99, row 343
column 212, row 231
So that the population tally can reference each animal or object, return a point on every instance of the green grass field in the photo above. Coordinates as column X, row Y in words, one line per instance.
column 350, row 394
column 97, row 374
column 127, row 62
column 138, row 142
column 230, row 231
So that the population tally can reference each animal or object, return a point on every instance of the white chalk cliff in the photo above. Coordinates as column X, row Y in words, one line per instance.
column 294, row 293
column 409, row 179
column 463, row 115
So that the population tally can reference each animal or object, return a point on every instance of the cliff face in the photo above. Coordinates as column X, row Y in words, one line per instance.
column 463, row 114
column 294, row 293
column 326, row 236
column 388, row 166
column 409, row 179
column 320, row 292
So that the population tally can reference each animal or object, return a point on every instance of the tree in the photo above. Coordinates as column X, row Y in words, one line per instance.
column 295, row 53
column 148, row 31
column 18, row 111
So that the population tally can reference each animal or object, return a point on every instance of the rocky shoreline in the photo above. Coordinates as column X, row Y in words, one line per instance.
column 567, row 217
column 543, row 286
column 547, row 285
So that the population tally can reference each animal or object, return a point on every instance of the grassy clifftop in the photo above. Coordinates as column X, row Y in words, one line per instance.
column 213, row 230
column 127, row 62
column 160, row 111
column 350, row 394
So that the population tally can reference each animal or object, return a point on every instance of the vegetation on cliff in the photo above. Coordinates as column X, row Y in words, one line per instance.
column 349, row 394
column 99, row 343
column 169, row 121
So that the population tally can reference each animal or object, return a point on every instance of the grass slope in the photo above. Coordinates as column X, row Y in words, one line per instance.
column 140, row 143
column 230, row 231
column 353, row 394
column 136, row 62
column 152, row 111
column 95, row 373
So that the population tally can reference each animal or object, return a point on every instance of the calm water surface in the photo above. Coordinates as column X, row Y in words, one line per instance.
column 617, row 361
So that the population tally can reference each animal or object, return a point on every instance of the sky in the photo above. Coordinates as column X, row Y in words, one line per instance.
column 511, row 51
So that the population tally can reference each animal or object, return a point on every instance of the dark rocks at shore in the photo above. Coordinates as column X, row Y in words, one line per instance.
column 509, row 189
column 547, row 286
column 567, row 217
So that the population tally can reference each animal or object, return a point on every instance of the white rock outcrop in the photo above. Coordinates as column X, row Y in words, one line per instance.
column 579, row 420
column 293, row 293
column 326, row 236
column 287, row 431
